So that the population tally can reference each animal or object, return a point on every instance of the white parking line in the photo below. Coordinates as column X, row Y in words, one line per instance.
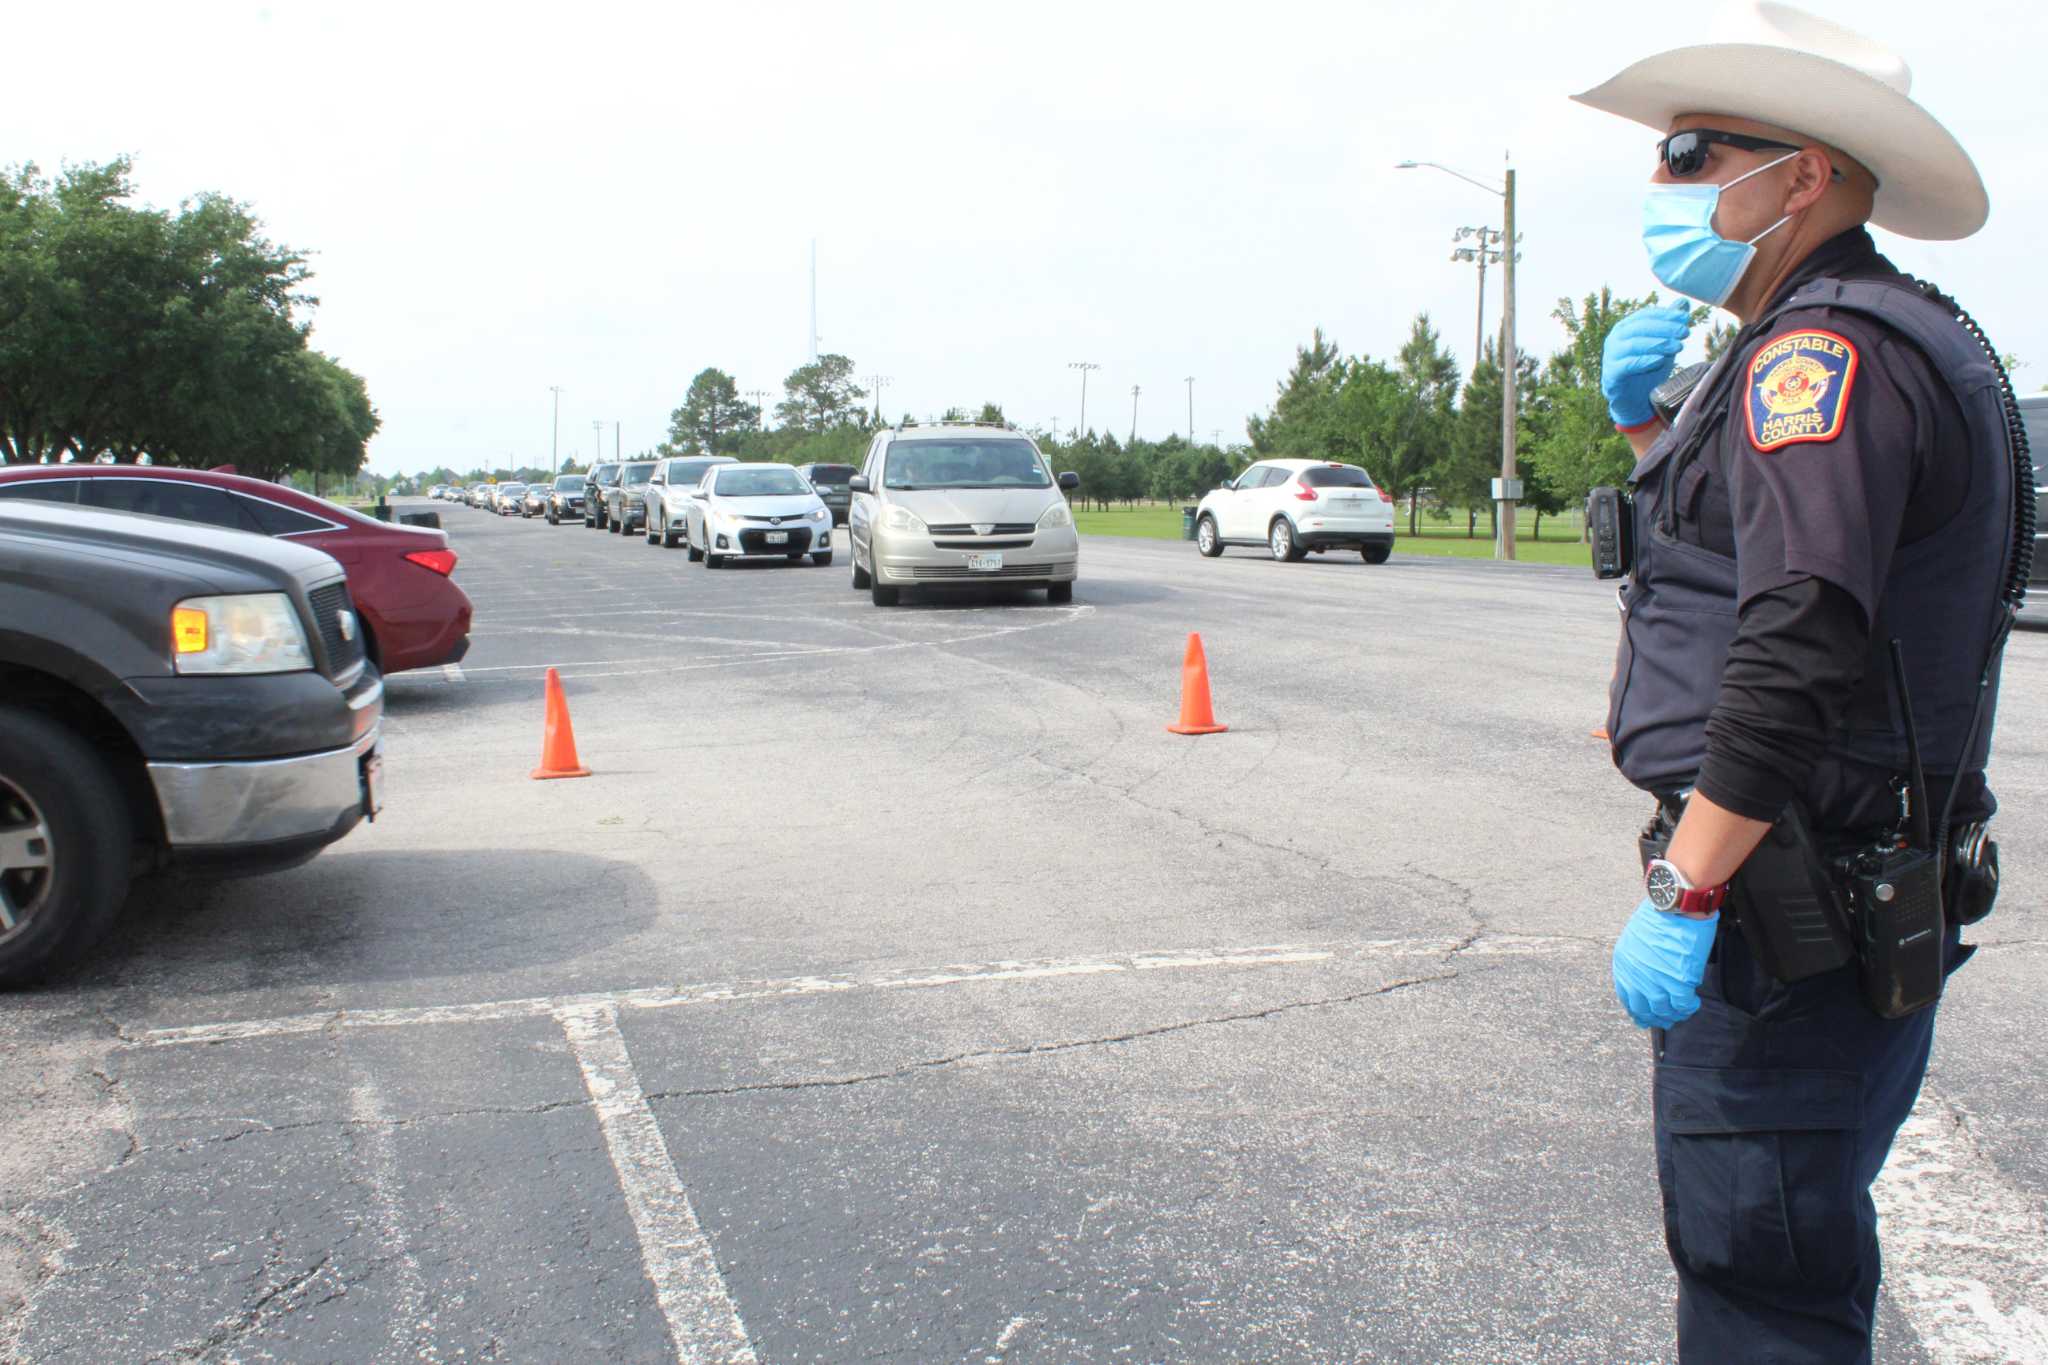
column 668, row 997
column 1952, row 1230
column 702, row 1319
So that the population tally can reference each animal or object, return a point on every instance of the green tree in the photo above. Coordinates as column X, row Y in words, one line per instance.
column 820, row 395
column 1428, row 384
column 992, row 412
column 711, row 417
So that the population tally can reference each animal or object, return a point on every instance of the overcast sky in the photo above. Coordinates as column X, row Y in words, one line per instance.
column 611, row 197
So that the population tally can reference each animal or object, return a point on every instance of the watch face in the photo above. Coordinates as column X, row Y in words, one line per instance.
column 1663, row 885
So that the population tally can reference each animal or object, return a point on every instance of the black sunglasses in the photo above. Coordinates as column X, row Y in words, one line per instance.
column 1685, row 154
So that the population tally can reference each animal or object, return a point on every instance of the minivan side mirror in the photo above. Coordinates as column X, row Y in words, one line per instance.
column 1069, row 481
column 858, row 484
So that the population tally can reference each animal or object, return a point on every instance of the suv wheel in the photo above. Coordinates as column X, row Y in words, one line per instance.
column 1206, row 539
column 1280, row 540
column 1376, row 554
column 64, row 846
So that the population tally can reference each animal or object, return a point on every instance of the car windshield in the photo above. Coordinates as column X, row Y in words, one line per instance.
column 605, row 473
column 831, row 473
column 1340, row 476
column 506, row 490
column 778, row 482
column 688, row 473
column 569, row 483
column 973, row 462
column 635, row 474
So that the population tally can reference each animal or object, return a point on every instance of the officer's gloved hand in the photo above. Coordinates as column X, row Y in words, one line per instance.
column 1658, row 965
column 1640, row 351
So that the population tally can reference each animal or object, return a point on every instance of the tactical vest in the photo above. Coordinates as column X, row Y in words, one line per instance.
column 1944, row 597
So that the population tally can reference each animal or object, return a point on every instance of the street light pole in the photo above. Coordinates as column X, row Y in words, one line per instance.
column 1191, row 409
column 1081, row 428
column 555, row 442
column 1134, row 414
column 1508, row 488
column 597, row 439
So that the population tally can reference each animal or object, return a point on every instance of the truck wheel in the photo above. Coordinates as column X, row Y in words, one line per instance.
column 64, row 846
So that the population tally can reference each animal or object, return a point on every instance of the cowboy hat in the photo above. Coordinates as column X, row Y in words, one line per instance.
column 1788, row 68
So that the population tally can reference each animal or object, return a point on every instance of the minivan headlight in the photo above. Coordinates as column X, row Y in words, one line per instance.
column 1057, row 515
column 255, row 632
column 899, row 518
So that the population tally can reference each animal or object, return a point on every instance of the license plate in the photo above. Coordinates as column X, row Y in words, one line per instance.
column 778, row 537
column 984, row 563
column 373, row 784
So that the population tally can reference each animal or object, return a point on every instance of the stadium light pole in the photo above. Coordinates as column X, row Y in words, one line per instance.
column 1081, row 427
column 555, row 442
column 1508, row 488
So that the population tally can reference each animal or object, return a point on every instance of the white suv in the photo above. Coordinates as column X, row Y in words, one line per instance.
column 1294, row 507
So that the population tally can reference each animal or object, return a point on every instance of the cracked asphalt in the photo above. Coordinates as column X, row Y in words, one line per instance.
column 978, row 1017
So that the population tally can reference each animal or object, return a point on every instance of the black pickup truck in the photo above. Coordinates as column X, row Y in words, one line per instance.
column 169, row 693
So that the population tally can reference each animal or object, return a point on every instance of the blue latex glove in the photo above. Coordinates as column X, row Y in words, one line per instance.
column 1640, row 352
column 1658, row 965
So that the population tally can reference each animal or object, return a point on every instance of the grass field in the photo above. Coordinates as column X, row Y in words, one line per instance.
column 1558, row 546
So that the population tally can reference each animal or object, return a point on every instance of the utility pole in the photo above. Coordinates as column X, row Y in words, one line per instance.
column 878, row 382
column 597, row 441
column 555, row 442
column 1485, row 254
column 814, row 300
column 1134, row 414
column 617, row 439
column 1191, row 409
column 1507, row 489
column 1510, row 486
column 760, row 408
column 1081, row 428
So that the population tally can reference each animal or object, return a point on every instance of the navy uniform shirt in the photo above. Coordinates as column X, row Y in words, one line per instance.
column 1839, row 445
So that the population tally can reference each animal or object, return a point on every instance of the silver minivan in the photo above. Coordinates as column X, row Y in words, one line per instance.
column 960, row 504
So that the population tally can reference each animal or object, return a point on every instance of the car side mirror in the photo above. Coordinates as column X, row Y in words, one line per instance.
column 859, row 484
column 1069, row 481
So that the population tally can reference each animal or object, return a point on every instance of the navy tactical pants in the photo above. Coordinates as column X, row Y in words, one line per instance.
column 1776, row 1106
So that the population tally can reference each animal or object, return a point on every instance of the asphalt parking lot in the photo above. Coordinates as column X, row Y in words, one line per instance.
column 899, row 988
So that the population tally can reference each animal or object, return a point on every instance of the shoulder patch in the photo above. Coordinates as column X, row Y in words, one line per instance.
column 1799, row 388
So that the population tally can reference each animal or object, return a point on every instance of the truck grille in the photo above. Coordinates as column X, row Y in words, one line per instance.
column 329, row 602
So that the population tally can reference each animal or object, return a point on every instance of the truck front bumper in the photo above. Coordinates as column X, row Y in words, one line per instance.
column 262, row 814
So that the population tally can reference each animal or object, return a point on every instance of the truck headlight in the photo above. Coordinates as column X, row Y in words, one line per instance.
column 902, row 519
column 1057, row 515
column 247, row 633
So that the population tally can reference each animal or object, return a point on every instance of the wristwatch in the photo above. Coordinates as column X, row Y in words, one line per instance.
column 1670, row 892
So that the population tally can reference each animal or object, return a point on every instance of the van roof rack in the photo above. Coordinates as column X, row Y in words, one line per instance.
column 955, row 422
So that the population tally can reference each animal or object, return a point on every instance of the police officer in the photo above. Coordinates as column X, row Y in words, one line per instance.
column 1841, row 478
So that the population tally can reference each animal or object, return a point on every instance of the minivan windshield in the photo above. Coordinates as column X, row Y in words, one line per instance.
column 780, row 482
column 633, row 475
column 970, row 462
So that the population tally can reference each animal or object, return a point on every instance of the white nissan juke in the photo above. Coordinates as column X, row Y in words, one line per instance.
column 757, row 510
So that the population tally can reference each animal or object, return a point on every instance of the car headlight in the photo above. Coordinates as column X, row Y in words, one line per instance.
column 819, row 514
column 902, row 519
column 248, row 633
column 1057, row 515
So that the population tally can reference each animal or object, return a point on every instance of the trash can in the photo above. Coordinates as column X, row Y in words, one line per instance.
column 432, row 519
column 1187, row 523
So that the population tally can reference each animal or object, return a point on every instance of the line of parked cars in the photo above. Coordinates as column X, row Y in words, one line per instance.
column 944, row 504
column 191, row 675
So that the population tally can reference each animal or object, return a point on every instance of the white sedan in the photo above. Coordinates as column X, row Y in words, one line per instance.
column 1294, row 507
column 757, row 509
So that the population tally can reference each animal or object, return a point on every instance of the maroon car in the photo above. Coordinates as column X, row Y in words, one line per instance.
column 414, row 614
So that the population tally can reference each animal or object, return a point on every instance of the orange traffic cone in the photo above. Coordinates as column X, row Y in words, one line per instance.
column 1196, row 717
column 558, row 741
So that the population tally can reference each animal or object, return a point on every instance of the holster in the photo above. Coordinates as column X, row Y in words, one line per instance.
column 1785, row 899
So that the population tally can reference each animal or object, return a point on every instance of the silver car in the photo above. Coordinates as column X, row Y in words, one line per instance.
column 668, row 496
column 768, row 510
column 961, row 504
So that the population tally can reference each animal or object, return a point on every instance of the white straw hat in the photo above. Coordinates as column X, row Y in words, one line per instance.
column 1783, row 66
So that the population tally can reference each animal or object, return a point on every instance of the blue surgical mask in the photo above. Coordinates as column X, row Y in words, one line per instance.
column 1685, row 251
